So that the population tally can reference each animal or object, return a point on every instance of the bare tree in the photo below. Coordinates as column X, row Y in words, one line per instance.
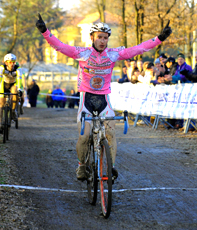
column 101, row 4
column 124, row 25
column 162, row 13
column 139, row 22
column 189, row 29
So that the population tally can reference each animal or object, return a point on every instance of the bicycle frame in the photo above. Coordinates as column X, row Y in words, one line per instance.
column 8, row 103
column 98, row 130
column 101, row 152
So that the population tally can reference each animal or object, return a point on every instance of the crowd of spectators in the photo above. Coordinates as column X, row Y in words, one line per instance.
column 58, row 98
column 164, row 70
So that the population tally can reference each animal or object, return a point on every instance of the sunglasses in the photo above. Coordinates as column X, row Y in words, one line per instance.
column 10, row 61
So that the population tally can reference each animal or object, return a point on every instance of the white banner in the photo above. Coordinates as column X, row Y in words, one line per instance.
column 172, row 101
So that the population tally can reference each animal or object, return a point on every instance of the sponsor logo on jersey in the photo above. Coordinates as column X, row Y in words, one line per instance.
column 93, row 56
column 86, row 70
column 90, row 63
column 97, row 82
column 100, row 71
column 104, row 57
column 79, row 78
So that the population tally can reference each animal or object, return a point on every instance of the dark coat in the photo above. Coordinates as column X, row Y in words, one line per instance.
column 33, row 91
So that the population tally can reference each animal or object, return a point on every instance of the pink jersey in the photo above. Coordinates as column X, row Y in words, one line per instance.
column 95, row 68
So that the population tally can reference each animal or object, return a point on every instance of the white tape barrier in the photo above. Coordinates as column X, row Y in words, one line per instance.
column 172, row 101
column 59, row 95
column 75, row 191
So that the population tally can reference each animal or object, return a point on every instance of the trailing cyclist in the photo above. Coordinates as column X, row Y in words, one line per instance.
column 22, row 91
column 95, row 70
column 10, row 81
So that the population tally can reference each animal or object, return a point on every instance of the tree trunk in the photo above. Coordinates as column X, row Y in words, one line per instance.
column 15, row 29
column 101, row 9
column 136, row 24
column 124, row 24
column 139, row 22
column 189, row 33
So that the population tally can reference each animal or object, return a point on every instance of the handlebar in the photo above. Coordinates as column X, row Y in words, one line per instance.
column 125, row 118
column 9, row 93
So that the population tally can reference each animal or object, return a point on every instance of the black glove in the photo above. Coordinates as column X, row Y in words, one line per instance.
column 189, row 75
column 165, row 33
column 41, row 25
column 185, row 72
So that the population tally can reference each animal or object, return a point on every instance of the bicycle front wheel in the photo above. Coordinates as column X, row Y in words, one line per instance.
column 16, row 123
column 8, row 122
column 105, row 179
column 92, row 181
column 5, row 123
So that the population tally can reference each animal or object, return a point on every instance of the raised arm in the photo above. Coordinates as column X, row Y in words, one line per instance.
column 69, row 51
column 147, row 45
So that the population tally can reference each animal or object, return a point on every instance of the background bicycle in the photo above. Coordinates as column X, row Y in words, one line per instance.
column 6, row 116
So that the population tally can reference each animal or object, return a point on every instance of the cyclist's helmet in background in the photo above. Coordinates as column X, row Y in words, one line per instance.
column 9, row 57
column 100, row 27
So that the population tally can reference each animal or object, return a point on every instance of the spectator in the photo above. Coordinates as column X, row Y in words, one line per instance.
column 140, row 66
column 127, row 63
column 49, row 100
column 74, row 101
column 64, row 99
column 149, row 74
column 191, row 76
column 77, row 100
column 130, row 64
column 144, row 68
column 159, row 79
column 162, row 59
column 57, row 97
column 124, row 76
column 158, row 67
column 134, row 78
column 180, row 67
column 32, row 93
column 171, row 66
column 71, row 103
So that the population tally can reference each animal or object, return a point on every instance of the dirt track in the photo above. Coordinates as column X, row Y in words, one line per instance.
column 157, row 172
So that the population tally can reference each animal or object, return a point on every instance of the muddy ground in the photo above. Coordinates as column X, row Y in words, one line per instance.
column 156, row 187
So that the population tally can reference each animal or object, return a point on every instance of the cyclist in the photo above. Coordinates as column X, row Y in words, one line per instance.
column 95, row 70
column 23, row 90
column 10, row 81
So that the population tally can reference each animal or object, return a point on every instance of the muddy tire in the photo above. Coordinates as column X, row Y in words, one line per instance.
column 92, row 181
column 5, row 124
column 105, row 179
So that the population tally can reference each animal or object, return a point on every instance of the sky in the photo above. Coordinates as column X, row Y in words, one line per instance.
column 68, row 4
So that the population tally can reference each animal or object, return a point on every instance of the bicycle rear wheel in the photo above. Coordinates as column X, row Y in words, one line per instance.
column 105, row 179
column 92, row 182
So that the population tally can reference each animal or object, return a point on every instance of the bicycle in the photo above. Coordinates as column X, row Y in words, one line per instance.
column 7, row 116
column 18, row 110
column 98, row 160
